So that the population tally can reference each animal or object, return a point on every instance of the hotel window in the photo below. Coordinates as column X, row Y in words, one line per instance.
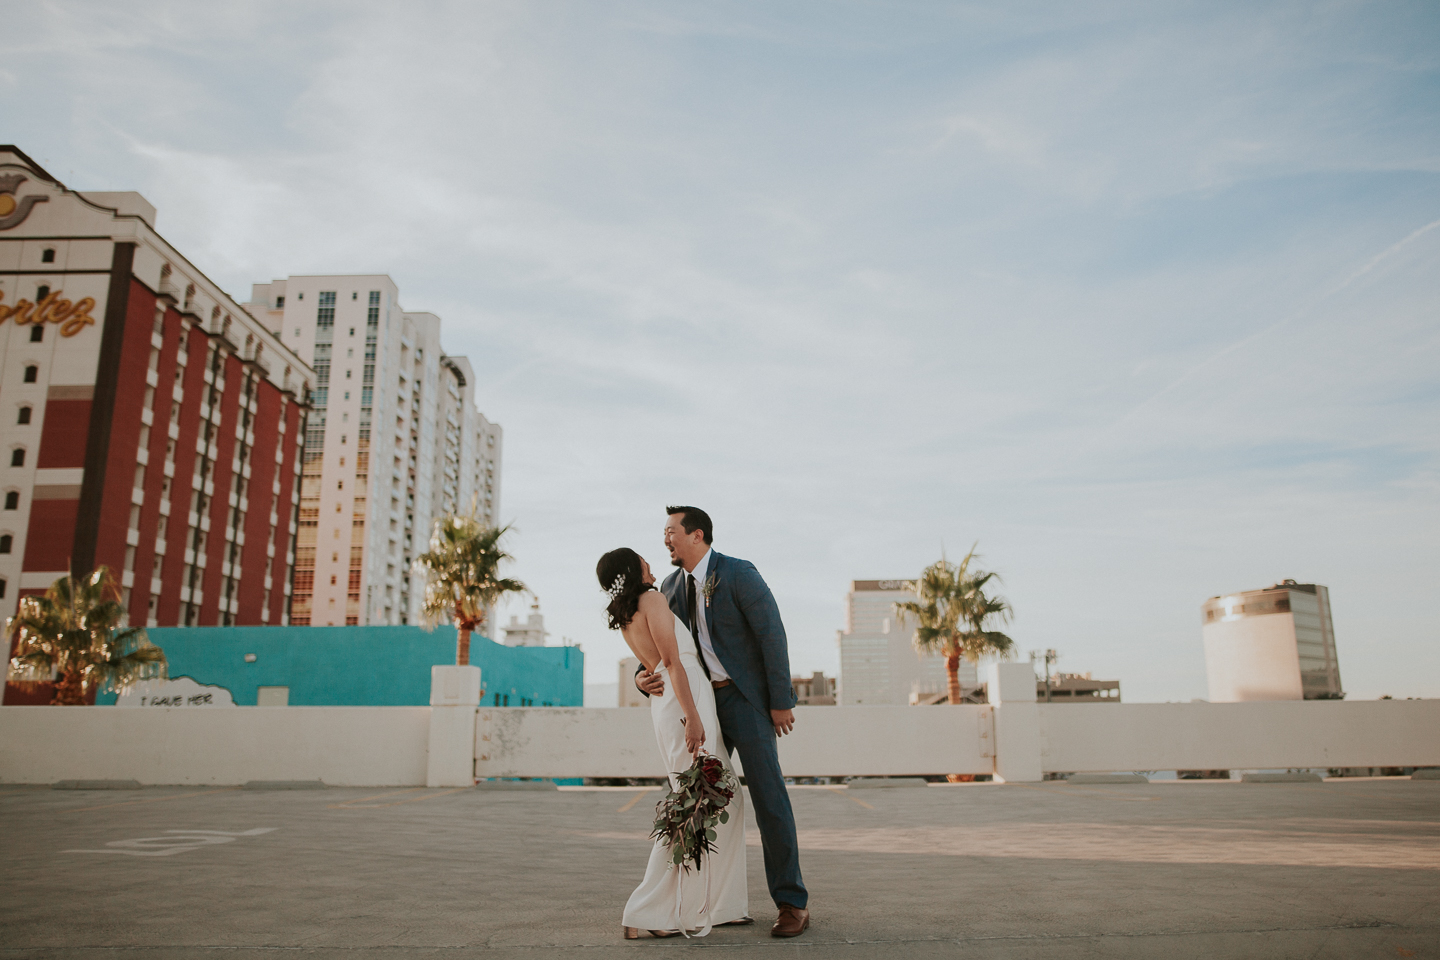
column 325, row 313
column 12, row 500
column 32, row 373
column 2, row 589
column 37, row 333
column 46, row 256
column 6, row 542
column 17, row 457
column 41, row 292
column 279, row 303
column 24, row 415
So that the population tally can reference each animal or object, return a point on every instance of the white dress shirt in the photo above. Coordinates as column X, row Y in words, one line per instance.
column 702, row 626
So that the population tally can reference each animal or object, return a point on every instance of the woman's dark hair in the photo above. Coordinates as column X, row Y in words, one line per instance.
column 620, row 574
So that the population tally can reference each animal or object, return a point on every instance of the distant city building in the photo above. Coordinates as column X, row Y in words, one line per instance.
column 150, row 423
column 1077, row 688
column 816, row 690
column 878, row 661
column 394, row 441
column 630, row 695
column 969, row 693
column 531, row 633
column 1271, row 644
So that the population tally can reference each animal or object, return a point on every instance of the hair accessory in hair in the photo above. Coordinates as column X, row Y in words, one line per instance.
column 616, row 586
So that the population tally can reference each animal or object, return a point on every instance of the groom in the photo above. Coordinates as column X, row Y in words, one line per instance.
column 734, row 618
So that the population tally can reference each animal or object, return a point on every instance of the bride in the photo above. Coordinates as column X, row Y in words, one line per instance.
column 670, row 900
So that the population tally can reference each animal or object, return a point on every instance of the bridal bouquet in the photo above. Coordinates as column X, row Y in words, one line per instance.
column 687, row 817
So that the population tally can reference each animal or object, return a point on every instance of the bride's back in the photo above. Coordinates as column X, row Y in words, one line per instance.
column 638, row 633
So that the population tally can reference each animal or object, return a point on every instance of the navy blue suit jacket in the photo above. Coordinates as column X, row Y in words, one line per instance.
column 745, row 629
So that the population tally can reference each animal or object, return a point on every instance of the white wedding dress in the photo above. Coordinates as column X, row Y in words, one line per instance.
column 669, row 898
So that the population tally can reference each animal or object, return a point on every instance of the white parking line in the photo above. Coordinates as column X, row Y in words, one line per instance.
column 175, row 841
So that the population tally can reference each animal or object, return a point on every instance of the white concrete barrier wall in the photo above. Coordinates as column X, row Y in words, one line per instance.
column 390, row 746
column 827, row 741
column 889, row 741
column 1246, row 736
column 565, row 742
column 343, row 746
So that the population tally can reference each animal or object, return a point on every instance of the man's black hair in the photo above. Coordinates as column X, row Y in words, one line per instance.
column 692, row 519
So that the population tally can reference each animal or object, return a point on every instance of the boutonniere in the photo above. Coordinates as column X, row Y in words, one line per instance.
column 708, row 588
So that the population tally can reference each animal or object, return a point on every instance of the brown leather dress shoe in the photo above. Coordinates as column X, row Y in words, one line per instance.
column 792, row 921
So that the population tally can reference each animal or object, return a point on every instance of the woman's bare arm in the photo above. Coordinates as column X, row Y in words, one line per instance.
column 661, row 621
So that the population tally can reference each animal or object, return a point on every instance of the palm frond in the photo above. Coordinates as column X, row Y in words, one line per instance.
column 76, row 630
column 951, row 610
column 462, row 571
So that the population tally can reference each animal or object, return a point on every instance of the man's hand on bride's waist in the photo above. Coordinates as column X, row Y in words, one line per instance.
column 650, row 684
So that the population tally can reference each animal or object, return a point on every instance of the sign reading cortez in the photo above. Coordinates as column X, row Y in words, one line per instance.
column 53, row 308
column 13, row 212
column 72, row 317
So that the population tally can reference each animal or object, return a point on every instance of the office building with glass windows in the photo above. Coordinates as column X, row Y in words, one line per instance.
column 394, row 440
column 1271, row 644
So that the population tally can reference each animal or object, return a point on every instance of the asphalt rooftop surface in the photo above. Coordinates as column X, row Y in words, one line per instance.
column 1190, row 869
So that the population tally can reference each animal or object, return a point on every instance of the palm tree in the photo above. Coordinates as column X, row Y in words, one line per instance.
column 952, row 612
column 76, row 628
column 462, row 568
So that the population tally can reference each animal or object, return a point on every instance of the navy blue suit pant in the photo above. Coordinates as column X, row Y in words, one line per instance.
column 750, row 733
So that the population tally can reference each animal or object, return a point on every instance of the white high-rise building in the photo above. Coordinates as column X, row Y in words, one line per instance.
column 878, row 660
column 1271, row 644
column 394, row 440
column 467, row 450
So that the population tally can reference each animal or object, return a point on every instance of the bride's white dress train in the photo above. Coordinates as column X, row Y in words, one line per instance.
column 669, row 898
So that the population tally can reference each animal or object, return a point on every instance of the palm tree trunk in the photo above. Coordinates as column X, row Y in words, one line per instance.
column 462, row 646
column 70, row 690
column 952, row 674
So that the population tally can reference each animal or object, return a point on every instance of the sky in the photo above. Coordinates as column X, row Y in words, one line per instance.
column 1142, row 298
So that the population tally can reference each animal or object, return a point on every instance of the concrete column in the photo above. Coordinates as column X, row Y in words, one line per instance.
column 454, row 698
column 1011, row 688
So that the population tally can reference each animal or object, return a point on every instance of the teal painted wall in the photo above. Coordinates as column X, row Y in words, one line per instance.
column 364, row 666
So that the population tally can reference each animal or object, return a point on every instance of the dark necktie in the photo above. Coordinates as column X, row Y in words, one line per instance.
column 694, row 614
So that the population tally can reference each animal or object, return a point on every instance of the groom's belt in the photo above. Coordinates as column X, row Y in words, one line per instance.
column 717, row 684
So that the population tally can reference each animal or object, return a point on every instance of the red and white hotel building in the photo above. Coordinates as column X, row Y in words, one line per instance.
column 147, row 421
